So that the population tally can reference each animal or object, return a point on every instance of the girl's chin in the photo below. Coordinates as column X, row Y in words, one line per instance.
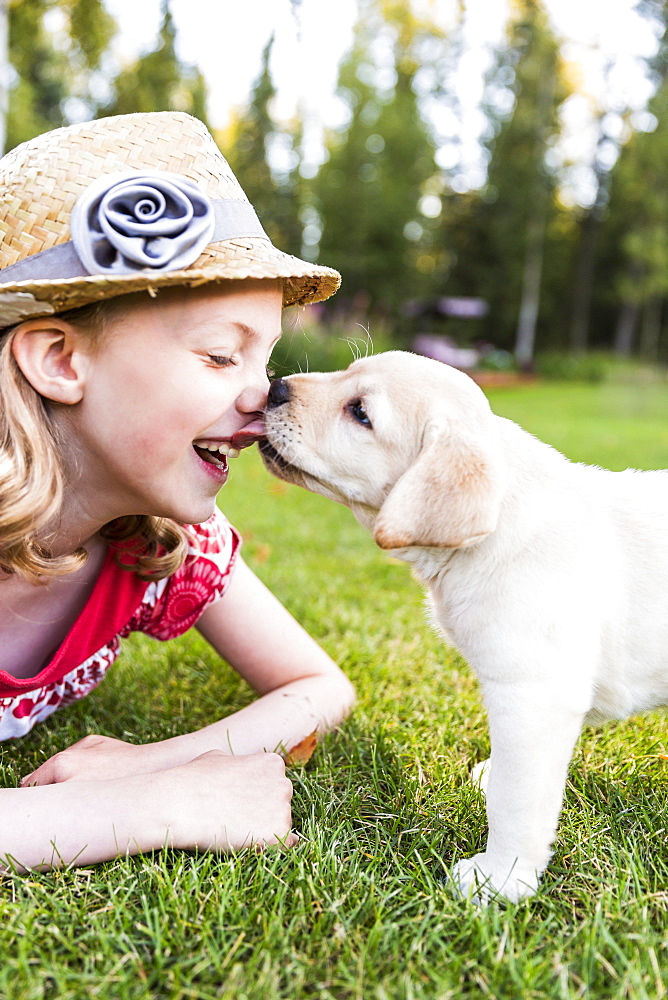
column 195, row 508
column 196, row 512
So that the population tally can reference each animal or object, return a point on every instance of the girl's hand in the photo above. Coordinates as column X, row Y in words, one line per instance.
column 223, row 803
column 215, row 802
column 95, row 758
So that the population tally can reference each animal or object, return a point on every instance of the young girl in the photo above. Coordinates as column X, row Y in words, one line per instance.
column 140, row 301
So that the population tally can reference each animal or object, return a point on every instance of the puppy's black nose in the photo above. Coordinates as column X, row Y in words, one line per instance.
column 279, row 392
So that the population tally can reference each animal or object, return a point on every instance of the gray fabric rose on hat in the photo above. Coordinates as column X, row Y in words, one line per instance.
column 131, row 222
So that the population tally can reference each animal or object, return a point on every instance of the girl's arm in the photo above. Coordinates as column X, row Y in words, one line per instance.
column 301, row 690
column 215, row 802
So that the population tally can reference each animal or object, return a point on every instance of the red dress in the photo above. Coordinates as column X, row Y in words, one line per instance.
column 121, row 603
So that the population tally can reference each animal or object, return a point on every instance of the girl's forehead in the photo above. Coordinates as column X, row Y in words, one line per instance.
column 251, row 307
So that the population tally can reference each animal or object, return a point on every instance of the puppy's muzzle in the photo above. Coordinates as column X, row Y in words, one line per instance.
column 279, row 393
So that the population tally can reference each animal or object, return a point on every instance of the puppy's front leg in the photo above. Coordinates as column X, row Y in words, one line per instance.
column 533, row 731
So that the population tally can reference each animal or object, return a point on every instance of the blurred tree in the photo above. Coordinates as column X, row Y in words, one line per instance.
column 159, row 80
column 370, row 195
column 265, row 157
column 248, row 139
column 637, row 224
column 588, row 231
column 518, row 214
column 593, row 297
column 55, row 49
column 634, row 265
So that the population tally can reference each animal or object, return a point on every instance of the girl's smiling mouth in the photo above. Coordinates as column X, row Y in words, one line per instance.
column 215, row 452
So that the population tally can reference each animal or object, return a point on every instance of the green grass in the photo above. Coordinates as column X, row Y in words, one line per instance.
column 616, row 424
column 359, row 910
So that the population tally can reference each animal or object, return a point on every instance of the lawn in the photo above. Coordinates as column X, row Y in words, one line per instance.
column 359, row 909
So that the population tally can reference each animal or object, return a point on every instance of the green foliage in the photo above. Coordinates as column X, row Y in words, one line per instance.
column 588, row 368
column 276, row 199
column 57, row 51
column 249, row 146
column 159, row 80
column 637, row 222
column 380, row 164
column 48, row 74
column 517, row 219
column 309, row 345
column 92, row 27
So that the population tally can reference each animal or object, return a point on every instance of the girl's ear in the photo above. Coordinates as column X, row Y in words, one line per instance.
column 49, row 353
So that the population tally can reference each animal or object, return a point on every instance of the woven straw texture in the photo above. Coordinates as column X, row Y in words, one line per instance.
column 41, row 180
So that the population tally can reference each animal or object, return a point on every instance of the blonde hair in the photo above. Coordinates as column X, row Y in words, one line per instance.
column 31, row 477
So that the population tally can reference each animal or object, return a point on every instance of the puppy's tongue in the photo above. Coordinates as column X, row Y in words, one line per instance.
column 249, row 434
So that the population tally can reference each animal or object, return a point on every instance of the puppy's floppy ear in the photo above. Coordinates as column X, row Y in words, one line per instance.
column 449, row 498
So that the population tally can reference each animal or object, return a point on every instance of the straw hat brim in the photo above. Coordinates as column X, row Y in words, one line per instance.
column 252, row 257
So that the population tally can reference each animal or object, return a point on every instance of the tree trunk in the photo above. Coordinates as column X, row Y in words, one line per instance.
column 626, row 329
column 531, row 281
column 651, row 329
column 533, row 261
column 584, row 280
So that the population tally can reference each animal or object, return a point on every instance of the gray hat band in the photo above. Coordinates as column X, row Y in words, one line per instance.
column 233, row 219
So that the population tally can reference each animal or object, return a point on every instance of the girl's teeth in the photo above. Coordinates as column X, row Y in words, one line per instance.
column 222, row 449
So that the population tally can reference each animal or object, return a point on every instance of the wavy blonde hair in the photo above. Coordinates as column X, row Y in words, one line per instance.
column 31, row 477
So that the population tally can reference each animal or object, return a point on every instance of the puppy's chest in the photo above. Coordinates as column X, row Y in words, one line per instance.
column 452, row 594
column 450, row 614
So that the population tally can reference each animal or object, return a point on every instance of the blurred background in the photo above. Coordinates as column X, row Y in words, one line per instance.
column 489, row 176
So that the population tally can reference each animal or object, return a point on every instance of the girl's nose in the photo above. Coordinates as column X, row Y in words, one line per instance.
column 254, row 396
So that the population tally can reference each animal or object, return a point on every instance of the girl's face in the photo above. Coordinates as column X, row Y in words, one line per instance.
column 175, row 384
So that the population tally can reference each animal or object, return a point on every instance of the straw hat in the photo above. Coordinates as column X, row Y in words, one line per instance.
column 130, row 203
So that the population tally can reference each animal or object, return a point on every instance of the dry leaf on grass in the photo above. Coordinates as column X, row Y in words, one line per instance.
column 301, row 752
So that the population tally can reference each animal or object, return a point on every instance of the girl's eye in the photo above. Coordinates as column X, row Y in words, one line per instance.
column 220, row 362
column 357, row 411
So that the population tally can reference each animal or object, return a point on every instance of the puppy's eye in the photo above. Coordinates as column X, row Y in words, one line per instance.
column 358, row 413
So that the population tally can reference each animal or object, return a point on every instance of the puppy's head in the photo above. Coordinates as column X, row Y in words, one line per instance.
column 407, row 443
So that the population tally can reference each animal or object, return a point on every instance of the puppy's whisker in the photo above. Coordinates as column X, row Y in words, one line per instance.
column 360, row 348
column 352, row 344
column 287, row 450
column 368, row 344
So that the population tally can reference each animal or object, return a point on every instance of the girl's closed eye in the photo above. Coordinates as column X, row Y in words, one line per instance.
column 220, row 361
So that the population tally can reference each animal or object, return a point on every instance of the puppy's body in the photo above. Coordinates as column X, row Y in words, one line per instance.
column 579, row 555
column 549, row 577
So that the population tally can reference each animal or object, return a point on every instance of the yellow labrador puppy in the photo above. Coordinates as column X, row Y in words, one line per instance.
column 550, row 578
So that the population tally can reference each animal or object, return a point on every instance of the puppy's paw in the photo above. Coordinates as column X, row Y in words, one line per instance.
column 482, row 880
